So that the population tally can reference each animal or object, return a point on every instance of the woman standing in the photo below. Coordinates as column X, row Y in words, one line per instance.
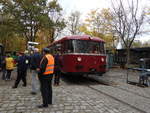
column 9, row 66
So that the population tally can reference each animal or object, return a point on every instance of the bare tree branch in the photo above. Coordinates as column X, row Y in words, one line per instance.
column 128, row 21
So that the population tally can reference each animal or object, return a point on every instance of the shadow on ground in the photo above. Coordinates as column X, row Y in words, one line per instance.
column 81, row 80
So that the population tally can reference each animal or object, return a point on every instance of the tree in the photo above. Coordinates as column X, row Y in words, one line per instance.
column 137, row 44
column 146, row 44
column 128, row 21
column 74, row 23
column 54, row 12
column 30, row 16
column 99, row 23
column 6, row 30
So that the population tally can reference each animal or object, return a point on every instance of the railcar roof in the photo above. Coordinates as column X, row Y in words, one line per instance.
column 80, row 37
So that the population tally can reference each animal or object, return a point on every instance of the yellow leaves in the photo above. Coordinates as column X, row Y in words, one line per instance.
column 84, row 29
column 101, row 20
column 16, row 43
column 99, row 23
column 147, row 12
column 105, row 13
column 44, row 38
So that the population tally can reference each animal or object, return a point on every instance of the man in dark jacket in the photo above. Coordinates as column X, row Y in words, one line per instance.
column 46, row 71
column 22, row 65
column 57, row 70
column 3, row 67
column 35, row 63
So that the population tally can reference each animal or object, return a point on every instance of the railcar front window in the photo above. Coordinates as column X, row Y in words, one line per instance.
column 84, row 46
column 80, row 46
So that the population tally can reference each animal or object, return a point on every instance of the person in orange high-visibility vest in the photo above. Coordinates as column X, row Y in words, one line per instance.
column 46, row 70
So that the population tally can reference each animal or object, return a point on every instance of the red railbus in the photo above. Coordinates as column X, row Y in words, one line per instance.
column 80, row 55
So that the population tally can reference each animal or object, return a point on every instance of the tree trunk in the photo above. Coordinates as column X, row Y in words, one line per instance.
column 128, row 56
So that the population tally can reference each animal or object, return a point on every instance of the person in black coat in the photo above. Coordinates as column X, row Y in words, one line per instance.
column 22, row 65
column 57, row 70
column 3, row 67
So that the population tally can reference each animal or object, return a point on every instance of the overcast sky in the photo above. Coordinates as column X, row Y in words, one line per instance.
column 85, row 6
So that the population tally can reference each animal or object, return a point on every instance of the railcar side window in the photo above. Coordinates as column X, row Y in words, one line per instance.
column 58, row 47
column 52, row 49
column 102, row 48
column 68, row 46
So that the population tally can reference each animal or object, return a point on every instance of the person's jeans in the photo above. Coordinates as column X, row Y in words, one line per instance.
column 3, row 74
column 8, row 75
column 57, row 77
column 35, row 82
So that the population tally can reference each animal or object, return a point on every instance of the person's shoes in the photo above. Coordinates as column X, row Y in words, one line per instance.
column 42, row 106
column 56, row 84
column 14, row 87
column 3, row 78
column 33, row 93
column 24, row 85
column 50, row 103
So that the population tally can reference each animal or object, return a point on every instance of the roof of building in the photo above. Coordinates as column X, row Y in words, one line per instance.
column 137, row 49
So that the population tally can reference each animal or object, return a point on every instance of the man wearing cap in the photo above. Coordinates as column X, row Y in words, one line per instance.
column 22, row 65
column 57, row 69
column 46, row 71
column 3, row 67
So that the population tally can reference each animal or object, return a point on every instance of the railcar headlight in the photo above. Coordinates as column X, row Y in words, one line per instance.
column 102, row 59
column 79, row 59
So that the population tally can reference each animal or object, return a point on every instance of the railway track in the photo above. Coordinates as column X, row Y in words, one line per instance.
column 114, row 86
column 131, row 106
column 92, row 81
column 89, row 82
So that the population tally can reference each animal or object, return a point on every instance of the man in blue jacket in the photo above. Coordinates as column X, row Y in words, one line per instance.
column 3, row 66
column 22, row 65
column 57, row 69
